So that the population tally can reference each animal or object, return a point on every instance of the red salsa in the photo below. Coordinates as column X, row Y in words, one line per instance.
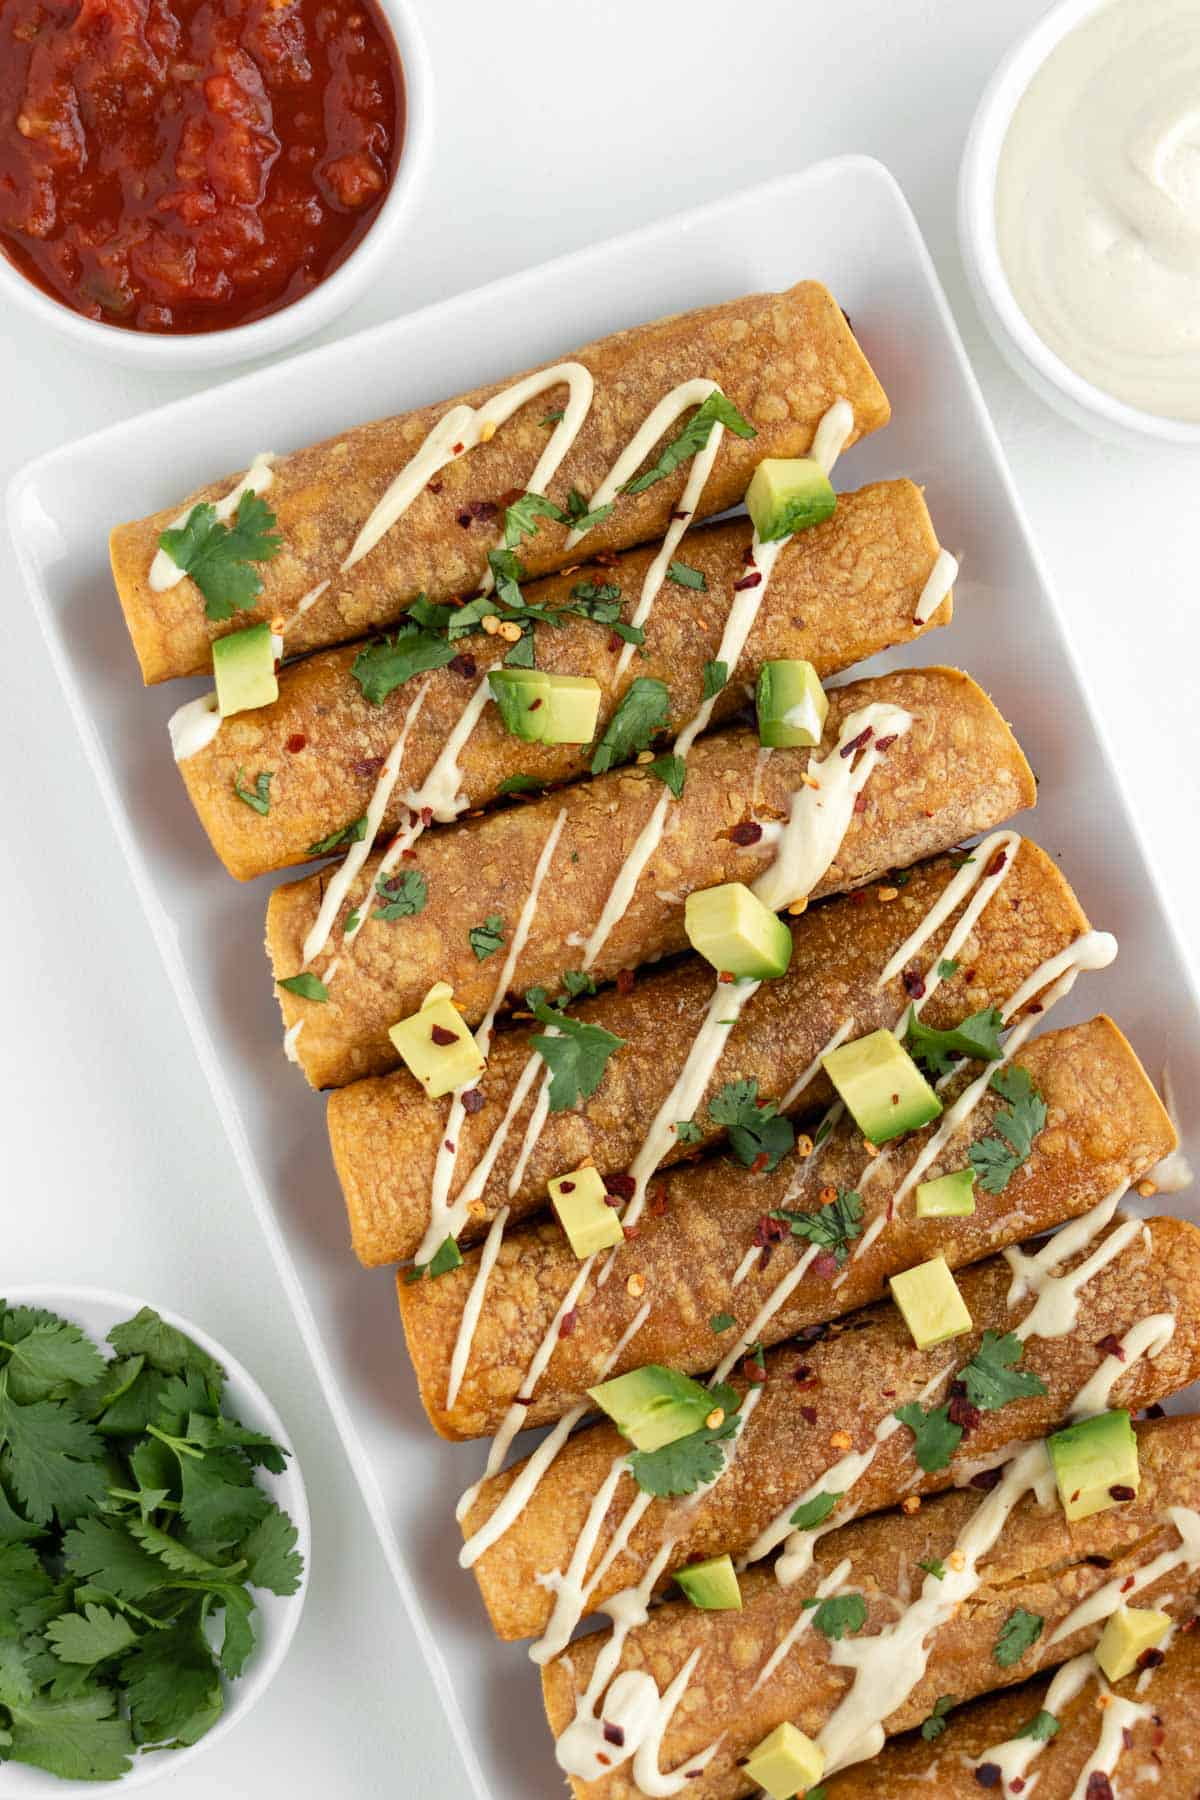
column 188, row 165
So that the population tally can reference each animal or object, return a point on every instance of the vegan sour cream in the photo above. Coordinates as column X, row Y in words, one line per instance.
column 1098, row 203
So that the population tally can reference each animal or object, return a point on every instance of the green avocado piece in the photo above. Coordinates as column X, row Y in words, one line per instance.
column 788, row 494
column 653, row 1406
column 791, row 703
column 1096, row 1464
column 437, row 1047
column 731, row 928
column 930, row 1302
column 1130, row 1630
column 786, row 1763
column 590, row 1223
column 244, row 670
column 949, row 1197
column 571, row 711
column 522, row 696
column 882, row 1086
column 712, row 1585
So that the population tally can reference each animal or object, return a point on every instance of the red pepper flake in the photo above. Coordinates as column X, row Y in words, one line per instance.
column 614, row 642
column 568, row 1322
column 860, row 803
column 1099, row 1787
column 465, row 665
column 885, row 743
column 802, row 1372
column 824, row 1267
column 769, row 1230
column 472, row 1101
column 809, row 1414
column 987, row 1479
column 860, row 742
column 566, row 1187
column 1127, row 1737
column 427, row 815
column 1128, row 1581
column 752, row 1372
column 914, row 983
column 601, row 1758
column 533, row 705
column 960, row 1410
column 658, row 1201
column 476, row 510
column 1017, row 1785
column 630, row 1231
column 623, row 1185
column 725, row 976
column 997, row 863
column 1120, row 1492
column 625, row 981
column 989, row 1775
column 746, row 833
column 607, row 559
column 1112, row 1346
column 449, row 1145
column 614, row 1734
column 435, row 487
column 440, row 1035
column 859, row 897
column 367, row 767
column 760, row 1162
column 457, row 449
column 748, row 581
column 296, row 742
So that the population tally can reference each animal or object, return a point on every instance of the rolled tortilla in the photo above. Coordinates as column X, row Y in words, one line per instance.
column 814, row 1390
column 955, row 771
column 838, row 594
column 782, row 359
column 1106, row 1128
column 1040, row 1565
column 1151, row 1746
column 386, row 1132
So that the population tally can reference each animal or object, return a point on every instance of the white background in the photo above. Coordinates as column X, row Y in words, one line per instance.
column 557, row 123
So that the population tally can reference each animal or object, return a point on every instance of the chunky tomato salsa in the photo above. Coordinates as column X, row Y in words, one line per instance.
column 188, row 165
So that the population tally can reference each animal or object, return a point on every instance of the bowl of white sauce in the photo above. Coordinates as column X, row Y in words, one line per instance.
column 1079, row 215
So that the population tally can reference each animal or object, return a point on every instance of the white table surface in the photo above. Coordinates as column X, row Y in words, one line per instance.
column 558, row 123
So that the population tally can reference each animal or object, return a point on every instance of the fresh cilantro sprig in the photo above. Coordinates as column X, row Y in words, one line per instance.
column 575, row 1052
column 991, row 1378
column 1019, row 1633
column 754, row 1126
column 487, row 938
column 937, row 1721
column 935, row 1434
column 258, row 797
column 838, row 1615
column 692, row 439
column 387, row 664
column 691, row 1461
column 937, row 1051
column 670, row 769
column 716, row 675
column 644, row 710
column 688, row 1132
column 447, row 1256
column 353, row 833
column 220, row 558
column 685, row 576
column 133, row 1533
column 814, row 1512
column 996, row 1159
column 308, row 986
column 1041, row 1728
column 833, row 1227
column 402, row 898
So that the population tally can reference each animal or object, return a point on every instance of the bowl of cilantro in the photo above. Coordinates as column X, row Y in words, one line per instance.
column 154, row 1541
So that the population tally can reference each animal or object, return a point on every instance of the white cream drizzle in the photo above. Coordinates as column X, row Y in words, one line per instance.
column 942, row 578
column 1174, row 1173
column 165, row 572
column 194, row 725
column 1121, row 1589
column 1016, row 1756
column 828, row 1585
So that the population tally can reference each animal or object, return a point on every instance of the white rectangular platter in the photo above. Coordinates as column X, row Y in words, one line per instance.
column 844, row 222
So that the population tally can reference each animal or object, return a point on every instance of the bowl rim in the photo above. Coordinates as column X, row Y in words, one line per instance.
column 977, row 226
column 186, row 351
column 264, row 1666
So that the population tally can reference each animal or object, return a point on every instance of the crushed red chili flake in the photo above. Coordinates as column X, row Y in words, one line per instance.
column 449, row 1145
column 809, row 1414
column 1128, row 1581
column 858, row 743
column 860, row 803
column 440, row 1035
column 566, row 1187
column 989, row 1775
column 997, row 863
column 752, row 1372
column 747, row 832
column 614, row 1734
column 475, row 510
column 1017, row 1785
column 1127, row 1737
column 1099, row 1787
column 658, row 1202
column 296, row 742
column 614, row 642
column 625, row 981
column 760, row 1162
column 769, row 1230
column 568, row 1322
column 885, row 743
column 914, row 983
column 1112, row 1346
column 630, row 1231
column 725, row 976
column 960, row 1410
column 801, row 1372
column 752, row 580
column 434, row 487
column 472, row 1101
column 1120, row 1492
column 366, row 767
column 622, row 1185
column 987, row 1479
column 464, row 665
column 825, row 1266
column 457, row 449
column 859, row 897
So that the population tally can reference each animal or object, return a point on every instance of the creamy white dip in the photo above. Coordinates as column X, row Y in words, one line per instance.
column 1098, row 203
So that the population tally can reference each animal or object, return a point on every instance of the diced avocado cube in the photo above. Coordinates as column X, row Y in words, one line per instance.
column 787, row 494
column 590, row 1223
column 736, row 933
column 932, row 1306
column 882, row 1086
column 437, row 1047
column 522, row 696
column 1096, row 1464
column 712, row 1585
column 1129, row 1631
column 786, row 1763
column 949, row 1197
column 792, row 704
column 653, row 1406
column 244, row 670
column 571, row 710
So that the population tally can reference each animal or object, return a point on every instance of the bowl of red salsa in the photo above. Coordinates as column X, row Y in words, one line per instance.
column 191, row 182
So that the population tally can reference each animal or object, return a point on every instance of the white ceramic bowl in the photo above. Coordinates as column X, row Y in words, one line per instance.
column 264, row 337
column 275, row 1617
column 1032, row 359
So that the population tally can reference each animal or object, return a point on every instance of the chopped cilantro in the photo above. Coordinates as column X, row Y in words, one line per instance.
column 839, row 1614
column 685, row 576
column 552, row 418
column 575, row 1052
column 672, row 770
column 578, row 982
column 721, row 1322
column 692, row 1461
column 407, row 895
column 688, row 1132
column 831, row 1227
column 1041, row 1728
column 990, row 1378
column 716, row 674
column 644, row 710
column 937, row 1051
column 936, row 1436
column 521, row 518
column 353, row 833
column 220, row 558
column 578, row 516
column 487, row 938
column 306, row 985
column 996, row 1159
column 1019, row 1632
column 947, row 968
column 391, row 661
column 933, row 1565
column 520, row 784
column 755, row 1128
column 447, row 1256
column 814, row 1512
column 259, row 796
column 692, row 439
column 936, row 1723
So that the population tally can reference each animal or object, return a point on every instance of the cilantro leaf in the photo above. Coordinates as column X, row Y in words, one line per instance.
column 51, row 1458
column 936, row 1436
column 644, row 709
column 577, row 982
column 684, row 576
column 691, row 1461
column 839, row 1614
column 578, row 515
column 552, row 418
column 672, row 770
column 832, row 1227
column 576, row 1054
column 688, row 1132
column 487, row 938
column 1041, row 1728
column 13, row 1528
column 948, row 968
column 814, row 1512
column 716, row 674
column 173, row 1684
column 755, row 1128
column 47, row 1356
column 447, row 1256
column 220, row 558
column 1019, row 1632
column 269, row 1549
column 721, row 1321
column 521, row 518
column 937, row 1721
column 353, row 833
column 996, row 1160
column 937, row 1051
column 106, row 1554
column 402, row 898
column 258, row 798
column 520, row 784
column 692, row 439
column 22, row 1579
column 91, row 1636
column 166, row 1348
column 77, row 1739
column 933, row 1565
column 990, row 1378
column 220, row 1501
column 309, row 987
column 387, row 664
